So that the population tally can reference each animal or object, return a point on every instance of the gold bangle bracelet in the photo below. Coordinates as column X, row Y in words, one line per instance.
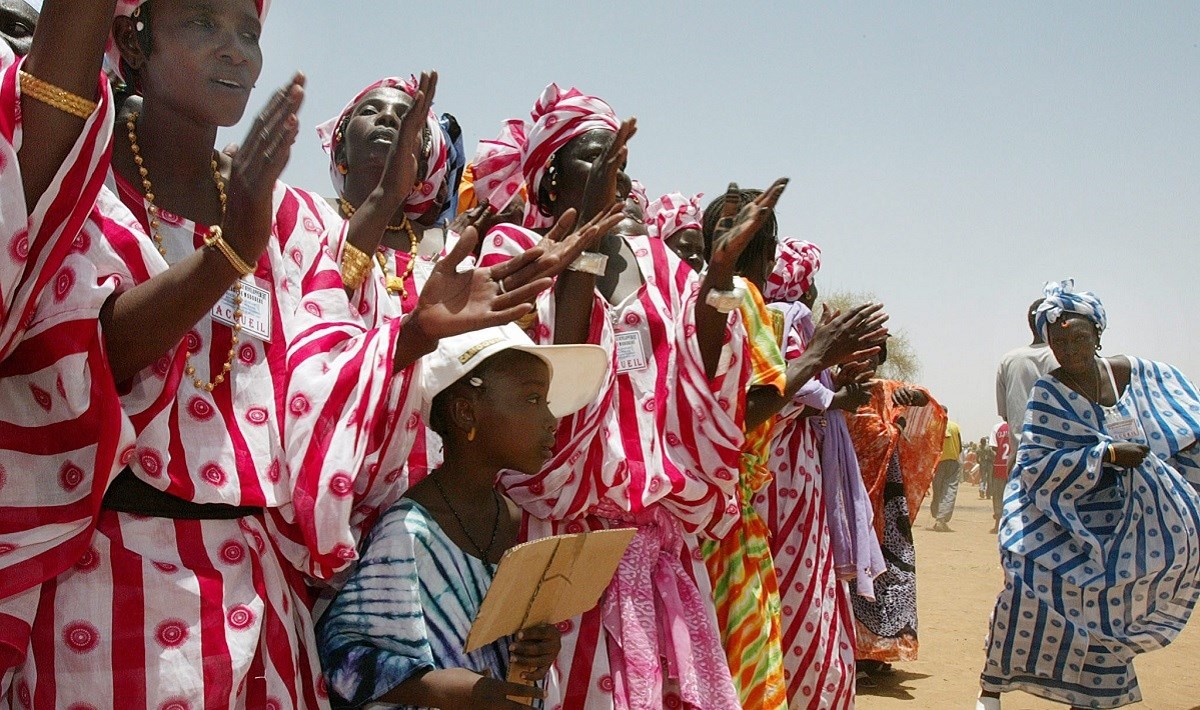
column 216, row 240
column 55, row 97
column 355, row 266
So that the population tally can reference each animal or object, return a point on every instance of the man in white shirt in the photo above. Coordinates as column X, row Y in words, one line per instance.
column 1018, row 370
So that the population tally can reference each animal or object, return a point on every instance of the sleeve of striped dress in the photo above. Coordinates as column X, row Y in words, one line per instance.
column 705, row 416
column 63, row 433
column 573, row 481
column 342, row 398
column 33, row 246
column 374, row 636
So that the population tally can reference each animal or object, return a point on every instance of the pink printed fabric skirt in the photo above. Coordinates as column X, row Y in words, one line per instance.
column 818, row 621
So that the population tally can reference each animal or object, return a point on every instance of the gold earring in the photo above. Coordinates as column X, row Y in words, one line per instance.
column 342, row 168
column 471, row 434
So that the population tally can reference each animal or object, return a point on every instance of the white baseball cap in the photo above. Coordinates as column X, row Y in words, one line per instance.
column 576, row 371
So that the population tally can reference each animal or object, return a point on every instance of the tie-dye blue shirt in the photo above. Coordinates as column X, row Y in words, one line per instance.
column 407, row 609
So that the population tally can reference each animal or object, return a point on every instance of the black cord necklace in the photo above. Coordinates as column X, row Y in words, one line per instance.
column 483, row 553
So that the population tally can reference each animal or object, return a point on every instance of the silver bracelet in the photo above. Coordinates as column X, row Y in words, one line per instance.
column 590, row 262
column 725, row 301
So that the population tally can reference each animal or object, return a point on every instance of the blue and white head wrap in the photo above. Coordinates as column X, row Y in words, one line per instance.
column 1061, row 297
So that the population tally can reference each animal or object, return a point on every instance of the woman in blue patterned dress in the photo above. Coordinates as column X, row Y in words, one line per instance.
column 1099, row 537
column 395, row 634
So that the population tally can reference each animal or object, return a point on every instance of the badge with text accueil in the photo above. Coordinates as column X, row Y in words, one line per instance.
column 1125, row 429
column 255, row 307
column 630, row 354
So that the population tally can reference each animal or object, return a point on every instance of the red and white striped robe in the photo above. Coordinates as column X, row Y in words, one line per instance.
column 214, row 613
column 377, row 307
column 818, row 621
column 658, row 450
column 63, row 434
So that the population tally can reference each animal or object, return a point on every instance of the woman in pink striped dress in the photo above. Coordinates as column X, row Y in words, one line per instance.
column 659, row 450
column 55, row 276
column 818, row 621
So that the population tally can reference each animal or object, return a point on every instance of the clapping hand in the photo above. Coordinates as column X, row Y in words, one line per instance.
column 257, row 165
column 910, row 397
column 736, row 229
column 600, row 192
column 851, row 336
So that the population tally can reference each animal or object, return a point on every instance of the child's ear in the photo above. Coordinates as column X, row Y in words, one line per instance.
column 462, row 414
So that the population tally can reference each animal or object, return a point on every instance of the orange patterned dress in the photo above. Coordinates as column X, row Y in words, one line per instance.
column 898, row 448
column 745, row 588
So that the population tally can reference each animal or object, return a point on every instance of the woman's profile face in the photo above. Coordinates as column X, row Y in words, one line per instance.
column 204, row 58
column 688, row 245
column 574, row 162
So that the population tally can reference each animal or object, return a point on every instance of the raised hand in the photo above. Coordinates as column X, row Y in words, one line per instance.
column 257, row 164
column 854, row 372
column 455, row 302
column 735, row 230
column 910, row 397
column 564, row 243
column 600, row 192
column 407, row 157
column 849, row 337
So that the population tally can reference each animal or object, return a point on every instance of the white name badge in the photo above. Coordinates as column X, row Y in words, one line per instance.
column 1125, row 429
column 256, row 311
column 630, row 354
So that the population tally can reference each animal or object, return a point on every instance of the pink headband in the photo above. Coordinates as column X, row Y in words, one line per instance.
column 421, row 199
column 672, row 213
column 126, row 8
column 796, row 262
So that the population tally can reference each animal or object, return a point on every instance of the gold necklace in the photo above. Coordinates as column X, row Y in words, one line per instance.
column 152, row 212
column 395, row 284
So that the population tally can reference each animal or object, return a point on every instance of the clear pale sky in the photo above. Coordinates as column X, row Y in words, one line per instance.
column 948, row 157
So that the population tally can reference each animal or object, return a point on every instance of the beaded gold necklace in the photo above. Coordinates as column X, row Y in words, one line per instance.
column 155, row 224
column 395, row 284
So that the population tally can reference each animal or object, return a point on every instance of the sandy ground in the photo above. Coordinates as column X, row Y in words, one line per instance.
column 958, row 576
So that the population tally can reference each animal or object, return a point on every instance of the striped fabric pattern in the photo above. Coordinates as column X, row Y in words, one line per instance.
column 745, row 589
column 408, row 607
column 233, row 593
column 659, row 451
column 1100, row 563
column 816, row 615
column 62, row 432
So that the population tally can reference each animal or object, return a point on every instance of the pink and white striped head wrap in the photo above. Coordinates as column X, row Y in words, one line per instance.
column 125, row 8
column 523, row 151
column 672, row 213
column 497, row 166
column 437, row 168
column 796, row 262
